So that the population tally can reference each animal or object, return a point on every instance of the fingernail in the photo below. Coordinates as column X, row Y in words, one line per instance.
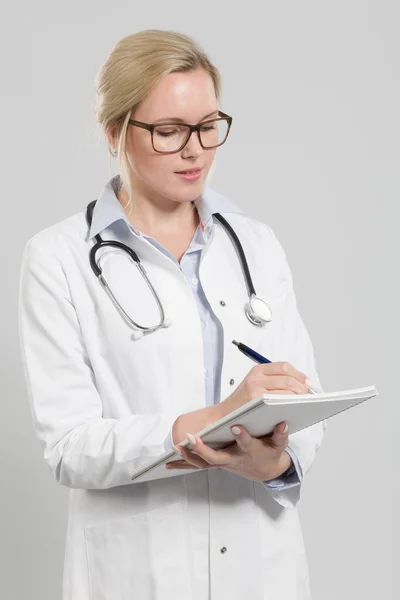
column 235, row 430
column 191, row 439
column 308, row 382
column 286, row 428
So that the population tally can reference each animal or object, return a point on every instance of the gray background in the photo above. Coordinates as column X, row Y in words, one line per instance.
column 314, row 151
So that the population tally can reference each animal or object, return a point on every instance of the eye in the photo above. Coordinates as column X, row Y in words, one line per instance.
column 165, row 133
column 208, row 127
column 168, row 130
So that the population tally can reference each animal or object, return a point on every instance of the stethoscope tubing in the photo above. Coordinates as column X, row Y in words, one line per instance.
column 242, row 257
column 252, row 317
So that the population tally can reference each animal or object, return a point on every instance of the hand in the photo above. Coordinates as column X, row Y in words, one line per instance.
column 258, row 459
column 271, row 378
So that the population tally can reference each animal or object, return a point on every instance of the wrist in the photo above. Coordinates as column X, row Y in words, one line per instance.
column 216, row 412
column 286, row 462
column 193, row 422
column 282, row 464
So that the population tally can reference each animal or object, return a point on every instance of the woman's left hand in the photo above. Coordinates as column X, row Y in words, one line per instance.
column 258, row 459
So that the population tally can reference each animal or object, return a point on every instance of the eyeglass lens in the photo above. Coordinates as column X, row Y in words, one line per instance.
column 167, row 138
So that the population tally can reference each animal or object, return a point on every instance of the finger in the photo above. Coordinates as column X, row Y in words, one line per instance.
column 275, row 391
column 280, row 436
column 285, row 382
column 179, row 464
column 243, row 439
column 191, row 458
column 283, row 368
column 212, row 457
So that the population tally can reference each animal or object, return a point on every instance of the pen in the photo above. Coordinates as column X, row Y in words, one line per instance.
column 257, row 357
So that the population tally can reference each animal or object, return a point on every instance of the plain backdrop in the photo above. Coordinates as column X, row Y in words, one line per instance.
column 314, row 91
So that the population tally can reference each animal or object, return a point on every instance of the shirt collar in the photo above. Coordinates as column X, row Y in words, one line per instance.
column 108, row 209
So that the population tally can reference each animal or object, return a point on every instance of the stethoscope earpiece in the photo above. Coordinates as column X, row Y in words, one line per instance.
column 137, row 335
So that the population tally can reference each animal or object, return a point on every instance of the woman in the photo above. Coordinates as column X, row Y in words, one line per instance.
column 108, row 397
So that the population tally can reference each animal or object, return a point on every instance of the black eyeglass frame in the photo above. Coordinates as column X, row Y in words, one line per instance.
column 151, row 127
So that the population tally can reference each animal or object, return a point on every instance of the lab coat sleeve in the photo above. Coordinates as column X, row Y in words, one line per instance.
column 82, row 449
column 295, row 347
column 168, row 443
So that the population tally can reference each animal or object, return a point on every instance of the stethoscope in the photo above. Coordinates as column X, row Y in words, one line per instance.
column 257, row 310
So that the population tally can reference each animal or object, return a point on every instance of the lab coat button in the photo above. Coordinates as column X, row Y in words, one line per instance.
column 224, row 550
column 195, row 281
column 222, row 302
column 231, row 382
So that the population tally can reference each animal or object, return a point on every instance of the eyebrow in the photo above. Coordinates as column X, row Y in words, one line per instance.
column 179, row 120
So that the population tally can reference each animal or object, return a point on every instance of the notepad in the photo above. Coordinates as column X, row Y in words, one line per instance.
column 259, row 417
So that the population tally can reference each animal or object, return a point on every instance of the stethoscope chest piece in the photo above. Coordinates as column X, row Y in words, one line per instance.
column 257, row 311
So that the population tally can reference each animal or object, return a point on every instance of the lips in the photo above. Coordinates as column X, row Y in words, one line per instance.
column 190, row 170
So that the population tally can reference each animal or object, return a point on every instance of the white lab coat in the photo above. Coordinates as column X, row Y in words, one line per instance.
column 103, row 404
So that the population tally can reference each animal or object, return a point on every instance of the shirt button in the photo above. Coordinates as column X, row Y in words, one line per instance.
column 205, row 372
column 231, row 382
column 195, row 281
column 224, row 550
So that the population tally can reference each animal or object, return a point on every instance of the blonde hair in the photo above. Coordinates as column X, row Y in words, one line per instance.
column 130, row 72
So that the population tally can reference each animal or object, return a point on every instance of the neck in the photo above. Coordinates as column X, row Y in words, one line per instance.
column 154, row 216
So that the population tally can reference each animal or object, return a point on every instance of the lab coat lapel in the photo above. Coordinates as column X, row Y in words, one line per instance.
column 181, row 344
column 224, row 285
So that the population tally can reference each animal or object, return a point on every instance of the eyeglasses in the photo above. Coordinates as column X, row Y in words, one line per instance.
column 168, row 138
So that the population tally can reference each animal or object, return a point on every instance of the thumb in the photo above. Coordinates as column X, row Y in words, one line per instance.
column 242, row 437
column 280, row 436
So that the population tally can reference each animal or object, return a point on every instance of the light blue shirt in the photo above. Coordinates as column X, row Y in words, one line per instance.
column 109, row 211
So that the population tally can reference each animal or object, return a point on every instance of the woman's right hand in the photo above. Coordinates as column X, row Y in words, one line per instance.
column 271, row 378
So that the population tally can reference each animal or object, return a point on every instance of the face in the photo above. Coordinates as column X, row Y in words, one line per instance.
column 187, row 96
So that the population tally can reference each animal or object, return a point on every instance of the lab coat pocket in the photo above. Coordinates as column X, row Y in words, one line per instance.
column 144, row 556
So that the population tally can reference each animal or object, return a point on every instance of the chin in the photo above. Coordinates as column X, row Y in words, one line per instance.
column 187, row 192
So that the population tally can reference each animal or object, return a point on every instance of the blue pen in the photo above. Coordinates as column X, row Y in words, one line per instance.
column 258, row 358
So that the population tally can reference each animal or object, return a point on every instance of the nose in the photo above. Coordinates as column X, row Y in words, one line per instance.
column 193, row 146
